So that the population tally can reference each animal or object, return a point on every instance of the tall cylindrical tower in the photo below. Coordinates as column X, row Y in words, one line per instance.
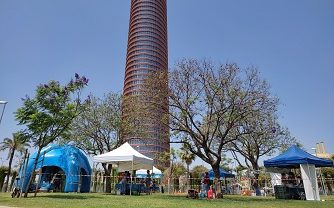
column 147, row 52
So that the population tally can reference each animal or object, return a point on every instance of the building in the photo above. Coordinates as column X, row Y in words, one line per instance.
column 147, row 52
column 320, row 151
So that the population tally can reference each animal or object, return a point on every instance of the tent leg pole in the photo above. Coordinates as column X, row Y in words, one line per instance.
column 265, row 182
column 131, row 178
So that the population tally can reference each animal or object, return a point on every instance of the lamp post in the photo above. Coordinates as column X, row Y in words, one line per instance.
column 3, row 109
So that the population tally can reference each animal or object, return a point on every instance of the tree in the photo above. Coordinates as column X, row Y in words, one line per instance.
column 265, row 137
column 226, row 162
column 19, row 143
column 208, row 104
column 197, row 174
column 164, row 158
column 49, row 114
column 98, row 129
column 187, row 157
column 198, row 170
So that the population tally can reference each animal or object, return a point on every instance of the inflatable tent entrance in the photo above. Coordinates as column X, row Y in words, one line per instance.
column 66, row 168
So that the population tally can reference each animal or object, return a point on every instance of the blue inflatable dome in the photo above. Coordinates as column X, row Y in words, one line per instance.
column 65, row 168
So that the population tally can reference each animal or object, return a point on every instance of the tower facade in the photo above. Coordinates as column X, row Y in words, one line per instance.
column 147, row 52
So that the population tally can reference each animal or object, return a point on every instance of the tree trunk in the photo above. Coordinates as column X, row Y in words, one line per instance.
column 39, row 176
column 94, row 181
column 33, row 172
column 12, row 181
column 4, row 188
column 256, row 178
column 216, row 182
column 187, row 175
column 107, row 172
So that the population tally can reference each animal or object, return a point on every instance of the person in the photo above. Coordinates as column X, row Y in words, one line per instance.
column 255, row 185
column 123, row 184
column 291, row 179
column 154, row 186
column 300, row 182
column 205, row 182
column 148, row 182
column 284, row 179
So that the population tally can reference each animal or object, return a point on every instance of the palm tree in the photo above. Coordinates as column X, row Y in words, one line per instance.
column 187, row 157
column 18, row 143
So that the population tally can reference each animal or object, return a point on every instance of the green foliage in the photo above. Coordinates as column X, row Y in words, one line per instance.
column 185, row 154
column 3, row 173
column 19, row 143
column 47, row 116
column 178, row 170
column 226, row 162
column 327, row 172
column 198, row 170
column 98, row 129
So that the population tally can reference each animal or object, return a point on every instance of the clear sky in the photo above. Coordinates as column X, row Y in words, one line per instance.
column 292, row 43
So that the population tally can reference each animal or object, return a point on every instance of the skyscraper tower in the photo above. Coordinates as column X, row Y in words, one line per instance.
column 147, row 52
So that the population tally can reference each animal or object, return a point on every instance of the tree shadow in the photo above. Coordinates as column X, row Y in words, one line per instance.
column 61, row 196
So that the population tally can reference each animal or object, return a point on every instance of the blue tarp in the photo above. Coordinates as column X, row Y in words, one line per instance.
column 223, row 174
column 295, row 156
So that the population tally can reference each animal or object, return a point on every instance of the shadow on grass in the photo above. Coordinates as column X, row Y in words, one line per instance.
column 66, row 196
column 234, row 198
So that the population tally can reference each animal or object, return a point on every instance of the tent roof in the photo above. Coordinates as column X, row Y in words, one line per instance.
column 223, row 174
column 124, row 156
column 295, row 156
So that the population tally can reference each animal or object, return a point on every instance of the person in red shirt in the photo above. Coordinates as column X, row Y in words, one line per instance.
column 205, row 182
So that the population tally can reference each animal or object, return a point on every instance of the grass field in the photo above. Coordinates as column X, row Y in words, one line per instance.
column 62, row 200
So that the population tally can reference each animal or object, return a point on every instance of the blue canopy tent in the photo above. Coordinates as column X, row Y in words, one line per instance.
column 155, row 173
column 295, row 157
column 223, row 174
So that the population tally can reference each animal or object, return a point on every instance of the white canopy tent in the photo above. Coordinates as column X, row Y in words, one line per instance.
column 126, row 158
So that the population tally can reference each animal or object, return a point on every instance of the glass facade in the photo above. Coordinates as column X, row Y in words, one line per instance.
column 147, row 52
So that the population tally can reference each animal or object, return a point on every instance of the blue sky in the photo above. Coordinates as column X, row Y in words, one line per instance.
column 291, row 42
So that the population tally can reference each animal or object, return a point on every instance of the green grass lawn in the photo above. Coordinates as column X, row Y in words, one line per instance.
column 62, row 200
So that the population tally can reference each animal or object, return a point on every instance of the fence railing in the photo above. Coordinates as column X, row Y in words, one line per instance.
column 177, row 185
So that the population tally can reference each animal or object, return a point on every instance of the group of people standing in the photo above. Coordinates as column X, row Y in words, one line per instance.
column 204, row 185
column 125, row 178
column 291, row 180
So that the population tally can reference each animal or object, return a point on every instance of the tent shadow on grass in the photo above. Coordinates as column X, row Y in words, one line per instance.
column 227, row 198
column 67, row 196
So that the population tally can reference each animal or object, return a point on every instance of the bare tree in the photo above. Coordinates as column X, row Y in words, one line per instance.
column 208, row 104
column 98, row 129
column 264, row 138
